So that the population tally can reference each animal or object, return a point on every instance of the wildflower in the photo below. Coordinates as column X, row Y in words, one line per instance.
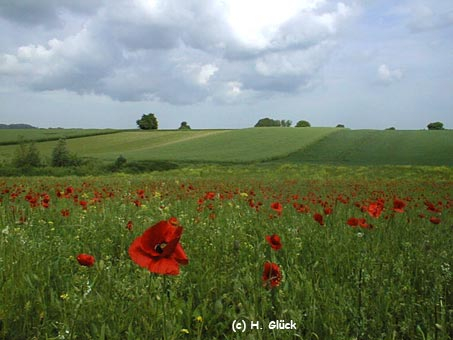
column 318, row 218
column 398, row 205
column 353, row 222
column 375, row 209
column 86, row 260
column 158, row 249
column 274, row 241
column 434, row 220
column 277, row 206
column 272, row 275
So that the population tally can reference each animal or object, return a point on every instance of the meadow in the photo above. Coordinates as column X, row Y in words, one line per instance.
column 366, row 254
column 363, row 217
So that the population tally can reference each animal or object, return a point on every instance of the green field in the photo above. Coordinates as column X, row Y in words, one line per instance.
column 357, row 147
column 13, row 136
column 246, row 145
column 282, row 145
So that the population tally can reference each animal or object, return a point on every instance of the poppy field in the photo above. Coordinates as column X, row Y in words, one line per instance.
column 340, row 253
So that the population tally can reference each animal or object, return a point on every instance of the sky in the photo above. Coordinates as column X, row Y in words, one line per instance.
column 226, row 63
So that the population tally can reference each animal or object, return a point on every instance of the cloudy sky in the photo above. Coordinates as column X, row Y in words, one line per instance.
column 226, row 63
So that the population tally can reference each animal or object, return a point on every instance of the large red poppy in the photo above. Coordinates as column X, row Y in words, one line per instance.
column 272, row 275
column 274, row 241
column 158, row 248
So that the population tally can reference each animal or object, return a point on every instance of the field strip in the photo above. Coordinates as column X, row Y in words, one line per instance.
column 185, row 139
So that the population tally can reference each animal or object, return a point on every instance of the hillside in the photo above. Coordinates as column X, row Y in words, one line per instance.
column 245, row 145
column 280, row 145
column 375, row 147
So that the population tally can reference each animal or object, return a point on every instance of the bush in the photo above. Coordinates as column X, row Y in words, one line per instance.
column 146, row 166
column 303, row 123
column 436, row 126
column 391, row 128
column 340, row 126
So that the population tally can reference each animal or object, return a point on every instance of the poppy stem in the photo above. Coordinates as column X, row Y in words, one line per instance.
column 164, row 307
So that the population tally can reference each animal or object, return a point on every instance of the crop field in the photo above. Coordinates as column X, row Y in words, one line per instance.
column 245, row 145
column 13, row 136
column 335, row 252
column 282, row 145
column 379, row 147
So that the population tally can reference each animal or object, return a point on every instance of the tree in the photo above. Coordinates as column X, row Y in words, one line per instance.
column 32, row 157
column 60, row 154
column 303, row 123
column 391, row 128
column 184, row 126
column 285, row 123
column 148, row 122
column 268, row 122
column 340, row 126
column 26, row 157
column 436, row 126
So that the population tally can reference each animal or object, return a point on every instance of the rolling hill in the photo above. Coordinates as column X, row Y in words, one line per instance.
column 281, row 145
column 374, row 147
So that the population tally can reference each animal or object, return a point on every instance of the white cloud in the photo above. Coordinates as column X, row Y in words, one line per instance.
column 387, row 75
column 206, row 72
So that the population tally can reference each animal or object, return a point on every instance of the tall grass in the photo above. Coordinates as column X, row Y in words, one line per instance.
column 393, row 281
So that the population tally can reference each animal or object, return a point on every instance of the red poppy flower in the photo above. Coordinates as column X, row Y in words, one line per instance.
column 158, row 249
column 434, row 220
column 277, row 207
column 86, row 260
column 328, row 210
column 318, row 218
column 398, row 205
column 129, row 225
column 375, row 209
column 272, row 275
column 363, row 224
column 274, row 241
column 353, row 222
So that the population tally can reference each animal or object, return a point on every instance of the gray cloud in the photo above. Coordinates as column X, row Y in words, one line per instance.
column 44, row 12
column 173, row 51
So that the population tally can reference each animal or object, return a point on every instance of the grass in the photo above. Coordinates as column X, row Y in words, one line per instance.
column 373, row 147
column 394, row 281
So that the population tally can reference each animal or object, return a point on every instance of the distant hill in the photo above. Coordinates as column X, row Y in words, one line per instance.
column 17, row 126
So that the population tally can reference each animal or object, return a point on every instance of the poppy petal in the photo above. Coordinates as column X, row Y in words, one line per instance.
column 136, row 253
column 165, row 266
